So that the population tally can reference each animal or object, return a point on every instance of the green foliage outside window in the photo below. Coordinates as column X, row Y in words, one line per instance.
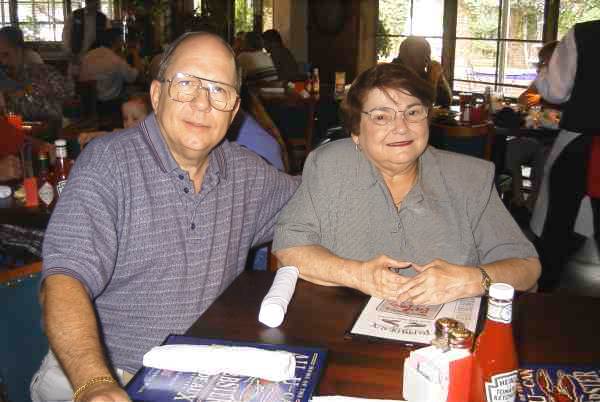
column 244, row 16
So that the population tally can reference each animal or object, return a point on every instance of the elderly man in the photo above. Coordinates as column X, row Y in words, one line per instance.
column 155, row 222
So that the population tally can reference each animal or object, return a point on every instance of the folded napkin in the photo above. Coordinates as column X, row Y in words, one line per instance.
column 339, row 398
column 274, row 305
column 272, row 365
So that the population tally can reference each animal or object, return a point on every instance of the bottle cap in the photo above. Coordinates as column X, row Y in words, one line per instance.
column 502, row 291
column 460, row 338
column 444, row 325
column 60, row 142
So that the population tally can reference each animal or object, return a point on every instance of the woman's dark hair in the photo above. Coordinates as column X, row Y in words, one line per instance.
column 14, row 36
column 253, row 41
column 107, row 37
column 384, row 76
column 545, row 53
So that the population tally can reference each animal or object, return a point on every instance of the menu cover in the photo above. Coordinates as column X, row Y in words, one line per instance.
column 558, row 383
column 151, row 384
column 409, row 323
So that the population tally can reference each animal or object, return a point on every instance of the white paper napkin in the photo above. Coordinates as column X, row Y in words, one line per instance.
column 213, row 359
column 274, row 305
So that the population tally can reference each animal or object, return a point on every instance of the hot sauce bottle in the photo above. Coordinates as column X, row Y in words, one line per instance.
column 45, row 188
column 61, row 166
column 495, row 358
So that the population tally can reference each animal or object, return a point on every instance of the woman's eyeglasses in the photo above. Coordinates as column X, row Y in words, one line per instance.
column 383, row 116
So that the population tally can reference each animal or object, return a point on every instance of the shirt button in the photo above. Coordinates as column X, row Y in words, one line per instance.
column 186, row 190
column 181, row 177
column 193, row 226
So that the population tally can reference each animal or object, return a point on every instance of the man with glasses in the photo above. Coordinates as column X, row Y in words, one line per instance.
column 154, row 223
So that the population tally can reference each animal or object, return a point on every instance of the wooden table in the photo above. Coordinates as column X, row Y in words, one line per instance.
column 548, row 329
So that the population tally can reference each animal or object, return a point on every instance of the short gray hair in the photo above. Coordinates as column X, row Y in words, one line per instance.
column 168, row 55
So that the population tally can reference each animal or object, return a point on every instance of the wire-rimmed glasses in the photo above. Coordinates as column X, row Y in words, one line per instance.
column 383, row 116
column 186, row 87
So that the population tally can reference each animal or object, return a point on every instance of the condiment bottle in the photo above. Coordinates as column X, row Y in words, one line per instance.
column 459, row 384
column 495, row 358
column 61, row 166
column 443, row 326
column 316, row 81
column 46, row 193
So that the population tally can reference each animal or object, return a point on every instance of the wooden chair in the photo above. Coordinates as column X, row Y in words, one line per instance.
column 476, row 140
column 294, row 116
column 86, row 90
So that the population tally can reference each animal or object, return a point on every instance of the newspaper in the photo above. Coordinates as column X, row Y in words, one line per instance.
column 409, row 323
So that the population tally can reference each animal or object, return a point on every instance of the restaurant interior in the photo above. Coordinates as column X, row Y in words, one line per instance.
column 298, row 61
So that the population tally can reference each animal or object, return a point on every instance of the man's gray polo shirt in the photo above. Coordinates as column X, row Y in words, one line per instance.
column 453, row 212
column 152, row 253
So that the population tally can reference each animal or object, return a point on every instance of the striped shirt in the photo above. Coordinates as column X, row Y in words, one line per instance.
column 152, row 253
column 453, row 212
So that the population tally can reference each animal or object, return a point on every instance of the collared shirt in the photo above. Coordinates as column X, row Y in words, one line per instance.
column 555, row 82
column 109, row 70
column 152, row 253
column 453, row 212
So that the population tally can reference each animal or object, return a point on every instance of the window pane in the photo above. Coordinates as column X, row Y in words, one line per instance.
column 519, row 63
column 477, row 19
column 244, row 16
column 428, row 18
column 524, row 20
column 475, row 60
column 4, row 13
column 460, row 86
column 267, row 14
column 394, row 17
column 574, row 11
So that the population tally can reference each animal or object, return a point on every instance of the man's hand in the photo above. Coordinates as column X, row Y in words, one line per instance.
column 376, row 278
column 439, row 282
column 105, row 393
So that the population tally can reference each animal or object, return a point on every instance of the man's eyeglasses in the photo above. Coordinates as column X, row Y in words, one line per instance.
column 383, row 116
column 186, row 87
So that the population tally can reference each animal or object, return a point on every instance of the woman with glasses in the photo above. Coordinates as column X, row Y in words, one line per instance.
column 384, row 213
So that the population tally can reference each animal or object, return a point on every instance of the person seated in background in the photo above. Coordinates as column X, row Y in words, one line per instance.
column 39, row 90
column 134, row 110
column 238, row 42
column 384, row 213
column 106, row 65
column 30, row 56
column 284, row 60
column 531, row 97
column 255, row 63
column 415, row 53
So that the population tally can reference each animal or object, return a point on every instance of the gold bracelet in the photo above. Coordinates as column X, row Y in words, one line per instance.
column 91, row 382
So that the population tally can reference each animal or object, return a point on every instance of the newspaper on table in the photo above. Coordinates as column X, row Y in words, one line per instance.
column 409, row 323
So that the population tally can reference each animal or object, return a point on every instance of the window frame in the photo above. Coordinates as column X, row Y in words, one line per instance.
column 449, row 39
column 67, row 5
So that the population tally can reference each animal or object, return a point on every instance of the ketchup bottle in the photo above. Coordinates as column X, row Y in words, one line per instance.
column 495, row 358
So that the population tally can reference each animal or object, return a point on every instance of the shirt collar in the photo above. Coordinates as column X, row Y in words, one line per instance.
column 217, row 165
column 430, row 183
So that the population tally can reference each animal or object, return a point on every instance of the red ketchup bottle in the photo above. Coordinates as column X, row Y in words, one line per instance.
column 495, row 361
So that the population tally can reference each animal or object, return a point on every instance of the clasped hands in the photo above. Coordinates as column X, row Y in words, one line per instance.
column 435, row 283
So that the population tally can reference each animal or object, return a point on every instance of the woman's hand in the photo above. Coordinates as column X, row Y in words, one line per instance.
column 439, row 282
column 377, row 279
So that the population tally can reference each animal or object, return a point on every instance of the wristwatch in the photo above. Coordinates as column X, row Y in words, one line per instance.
column 486, row 281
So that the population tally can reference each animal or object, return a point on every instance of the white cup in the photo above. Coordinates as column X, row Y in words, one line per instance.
column 274, row 305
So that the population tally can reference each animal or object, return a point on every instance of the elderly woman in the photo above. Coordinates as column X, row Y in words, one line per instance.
column 385, row 214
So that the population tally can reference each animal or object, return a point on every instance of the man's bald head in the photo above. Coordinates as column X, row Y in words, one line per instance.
column 170, row 53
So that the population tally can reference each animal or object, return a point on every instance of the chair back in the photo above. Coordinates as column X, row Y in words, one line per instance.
column 86, row 90
column 474, row 140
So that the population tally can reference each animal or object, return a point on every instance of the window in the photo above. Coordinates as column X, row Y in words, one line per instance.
column 267, row 15
column 43, row 21
column 400, row 18
column 496, row 42
column 244, row 16
column 574, row 11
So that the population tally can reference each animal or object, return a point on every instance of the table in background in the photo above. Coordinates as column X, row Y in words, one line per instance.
column 549, row 328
